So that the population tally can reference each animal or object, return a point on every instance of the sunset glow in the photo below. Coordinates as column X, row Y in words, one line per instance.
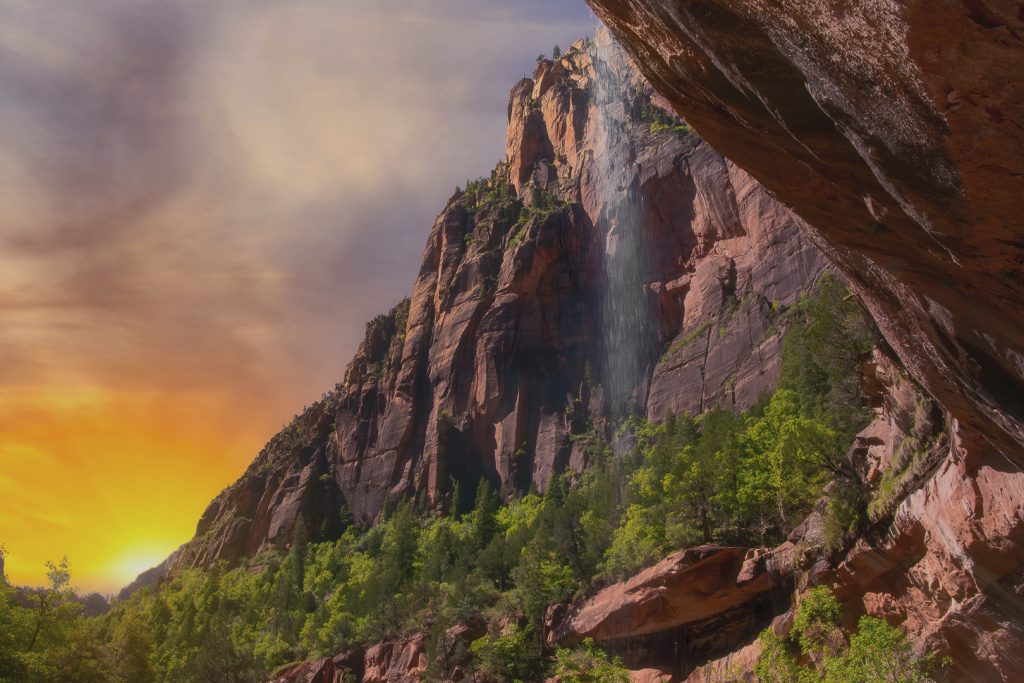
column 203, row 204
column 113, row 480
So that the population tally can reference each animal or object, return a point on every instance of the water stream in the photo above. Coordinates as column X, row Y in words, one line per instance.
column 625, row 308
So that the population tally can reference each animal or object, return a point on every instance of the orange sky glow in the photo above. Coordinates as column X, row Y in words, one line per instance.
column 203, row 203
column 116, row 480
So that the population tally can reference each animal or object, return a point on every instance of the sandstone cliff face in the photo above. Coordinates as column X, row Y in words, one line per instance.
column 895, row 129
column 500, row 354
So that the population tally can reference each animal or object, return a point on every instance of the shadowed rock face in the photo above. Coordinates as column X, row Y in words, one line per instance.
column 496, row 359
column 896, row 129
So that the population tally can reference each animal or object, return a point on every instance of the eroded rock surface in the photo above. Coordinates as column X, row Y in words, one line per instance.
column 692, row 606
column 688, row 586
column 895, row 130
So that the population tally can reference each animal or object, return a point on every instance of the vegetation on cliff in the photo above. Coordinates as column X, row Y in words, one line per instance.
column 817, row 650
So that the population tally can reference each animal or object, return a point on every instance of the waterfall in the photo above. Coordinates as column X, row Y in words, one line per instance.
column 625, row 308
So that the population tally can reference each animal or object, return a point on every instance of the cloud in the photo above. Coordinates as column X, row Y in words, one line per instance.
column 204, row 201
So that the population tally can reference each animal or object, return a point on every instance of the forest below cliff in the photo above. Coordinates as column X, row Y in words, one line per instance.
column 476, row 580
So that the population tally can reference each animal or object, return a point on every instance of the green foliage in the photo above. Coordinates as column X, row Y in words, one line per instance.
column 589, row 664
column 544, row 202
column 487, row 191
column 688, row 338
column 845, row 514
column 816, row 623
column 508, row 657
column 777, row 664
column 879, row 652
column 909, row 462
column 44, row 637
column 876, row 652
column 519, row 235
column 661, row 120
column 827, row 339
column 680, row 129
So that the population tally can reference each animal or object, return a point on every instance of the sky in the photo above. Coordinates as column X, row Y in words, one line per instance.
column 203, row 201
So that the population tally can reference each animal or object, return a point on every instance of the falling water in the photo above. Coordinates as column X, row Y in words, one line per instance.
column 625, row 308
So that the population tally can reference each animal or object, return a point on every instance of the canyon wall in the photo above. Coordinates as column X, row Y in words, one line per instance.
column 499, row 356
column 894, row 128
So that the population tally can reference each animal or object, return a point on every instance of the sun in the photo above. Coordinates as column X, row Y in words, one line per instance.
column 137, row 559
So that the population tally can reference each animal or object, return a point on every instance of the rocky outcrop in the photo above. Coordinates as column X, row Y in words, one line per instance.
column 686, row 587
column 393, row 661
column 501, row 352
column 338, row 669
column 944, row 558
column 691, row 606
column 896, row 130
column 401, row 661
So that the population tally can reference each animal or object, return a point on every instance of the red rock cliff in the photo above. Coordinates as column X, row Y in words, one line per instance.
column 896, row 129
column 498, row 356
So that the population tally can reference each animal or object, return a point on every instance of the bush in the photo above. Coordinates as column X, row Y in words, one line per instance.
column 816, row 623
column 876, row 652
column 589, row 664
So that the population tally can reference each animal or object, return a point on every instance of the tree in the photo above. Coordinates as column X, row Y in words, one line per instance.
column 507, row 656
column 816, row 624
column 781, row 474
column 130, row 647
column 556, row 52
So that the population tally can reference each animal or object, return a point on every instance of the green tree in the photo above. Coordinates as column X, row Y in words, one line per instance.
column 876, row 651
column 816, row 624
column 507, row 657
column 782, row 474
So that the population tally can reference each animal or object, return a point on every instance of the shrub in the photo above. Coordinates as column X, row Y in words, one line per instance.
column 876, row 651
column 589, row 664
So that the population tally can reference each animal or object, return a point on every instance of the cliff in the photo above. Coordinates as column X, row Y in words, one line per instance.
column 514, row 336
column 894, row 130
